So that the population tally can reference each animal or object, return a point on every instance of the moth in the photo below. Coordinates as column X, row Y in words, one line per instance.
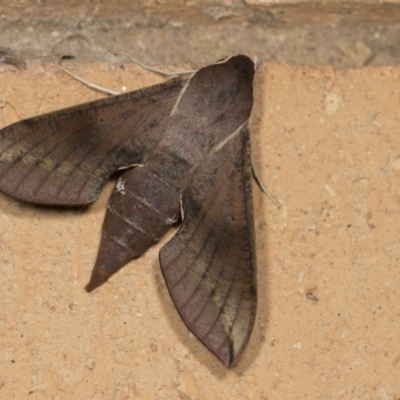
column 183, row 146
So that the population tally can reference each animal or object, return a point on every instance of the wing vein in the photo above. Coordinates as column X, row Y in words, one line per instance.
column 206, row 270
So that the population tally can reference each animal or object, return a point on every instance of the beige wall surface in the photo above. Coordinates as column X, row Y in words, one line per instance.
column 327, row 145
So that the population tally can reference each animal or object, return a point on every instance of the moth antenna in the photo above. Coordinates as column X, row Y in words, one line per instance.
column 261, row 185
column 87, row 83
column 156, row 70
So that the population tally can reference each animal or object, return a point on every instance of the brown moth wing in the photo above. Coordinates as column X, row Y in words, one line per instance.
column 209, row 266
column 65, row 157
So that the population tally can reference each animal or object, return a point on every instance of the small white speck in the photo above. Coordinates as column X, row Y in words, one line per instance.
column 120, row 187
column 314, row 228
column 297, row 345
column 123, row 88
column 171, row 221
column 176, row 24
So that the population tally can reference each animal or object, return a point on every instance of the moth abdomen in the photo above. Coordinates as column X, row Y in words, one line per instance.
column 141, row 210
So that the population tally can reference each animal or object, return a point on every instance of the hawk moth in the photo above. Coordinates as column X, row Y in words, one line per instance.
column 184, row 149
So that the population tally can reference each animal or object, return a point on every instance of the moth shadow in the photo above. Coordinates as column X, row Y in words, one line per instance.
column 261, row 205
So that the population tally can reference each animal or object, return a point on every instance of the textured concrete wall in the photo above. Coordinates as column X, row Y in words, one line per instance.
column 340, row 33
column 327, row 144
